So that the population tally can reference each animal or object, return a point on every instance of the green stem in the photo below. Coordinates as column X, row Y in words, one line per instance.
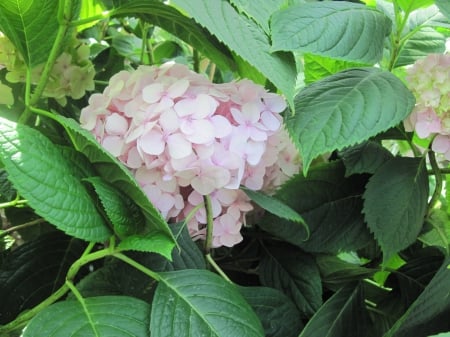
column 396, row 42
column 209, row 223
column 65, row 8
column 19, row 227
column 80, row 299
column 196, row 57
column 138, row 266
column 439, row 183
column 217, row 268
column 13, row 203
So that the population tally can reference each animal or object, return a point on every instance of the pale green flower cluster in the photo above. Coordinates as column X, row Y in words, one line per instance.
column 71, row 76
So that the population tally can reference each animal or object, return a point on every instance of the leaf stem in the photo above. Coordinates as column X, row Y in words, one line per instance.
column 209, row 223
column 438, row 188
column 63, row 16
column 138, row 266
column 13, row 203
column 217, row 268
column 21, row 226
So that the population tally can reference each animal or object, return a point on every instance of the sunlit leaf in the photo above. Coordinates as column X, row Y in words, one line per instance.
column 347, row 108
column 340, row 30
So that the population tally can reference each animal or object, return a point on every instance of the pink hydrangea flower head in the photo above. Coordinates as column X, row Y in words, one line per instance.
column 429, row 80
column 184, row 137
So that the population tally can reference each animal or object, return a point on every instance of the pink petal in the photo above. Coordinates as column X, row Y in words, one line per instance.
column 222, row 126
column 179, row 146
column 178, row 88
column 116, row 124
column 152, row 142
column 113, row 144
column 202, row 132
column 152, row 93
column 441, row 144
column 270, row 120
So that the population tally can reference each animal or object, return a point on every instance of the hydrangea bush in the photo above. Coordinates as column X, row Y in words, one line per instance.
column 275, row 169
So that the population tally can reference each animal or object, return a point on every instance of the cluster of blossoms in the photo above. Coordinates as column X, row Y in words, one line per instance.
column 72, row 74
column 429, row 80
column 184, row 137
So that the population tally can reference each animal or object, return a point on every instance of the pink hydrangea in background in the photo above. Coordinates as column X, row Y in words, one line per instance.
column 429, row 80
column 184, row 137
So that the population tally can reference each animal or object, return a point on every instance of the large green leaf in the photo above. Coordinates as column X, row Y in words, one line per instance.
column 340, row 30
column 424, row 42
column 31, row 25
column 409, row 5
column 332, row 210
column 336, row 272
column 278, row 314
column 245, row 38
column 276, row 207
column 125, row 216
column 395, row 203
column 260, row 11
column 295, row 273
column 364, row 158
column 33, row 271
column 347, row 108
column 200, row 303
column 176, row 23
column 116, row 174
column 444, row 6
column 343, row 315
column 117, row 316
column 429, row 313
column 42, row 175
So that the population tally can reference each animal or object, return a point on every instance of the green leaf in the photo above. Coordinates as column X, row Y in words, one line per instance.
column 409, row 5
column 246, row 39
column 347, row 108
column 318, row 67
column 88, row 10
column 332, row 211
column 395, row 203
column 364, row 158
column 112, row 171
column 129, row 46
column 343, row 315
column 259, row 11
column 31, row 25
column 444, row 6
column 126, row 218
column 439, row 234
column 340, row 30
column 295, row 274
column 205, row 305
column 429, row 313
column 40, row 173
column 176, row 23
column 33, row 271
column 429, row 17
column 336, row 272
column 412, row 277
column 424, row 42
column 102, row 316
column 276, row 207
column 279, row 316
